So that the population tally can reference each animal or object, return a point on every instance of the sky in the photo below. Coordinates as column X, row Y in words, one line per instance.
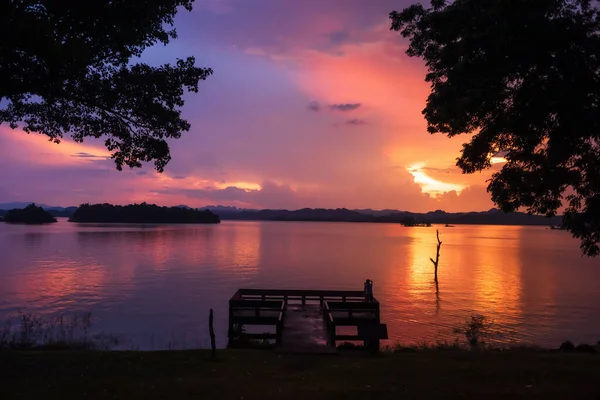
column 312, row 104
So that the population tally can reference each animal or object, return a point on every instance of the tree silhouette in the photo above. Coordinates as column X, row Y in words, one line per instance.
column 523, row 77
column 31, row 214
column 437, row 258
column 66, row 66
column 142, row 213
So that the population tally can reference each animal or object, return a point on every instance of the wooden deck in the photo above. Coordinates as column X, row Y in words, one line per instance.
column 304, row 330
column 305, row 320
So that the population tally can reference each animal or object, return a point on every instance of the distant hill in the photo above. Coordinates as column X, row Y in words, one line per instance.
column 491, row 217
column 378, row 213
column 65, row 212
column 305, row 214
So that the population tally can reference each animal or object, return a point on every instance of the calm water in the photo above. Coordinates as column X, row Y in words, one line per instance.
column 154, row 285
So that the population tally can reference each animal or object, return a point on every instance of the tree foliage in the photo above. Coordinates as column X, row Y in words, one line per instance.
column 67, row 66
column 31, row 214
column 523, row 77
column 142, row 213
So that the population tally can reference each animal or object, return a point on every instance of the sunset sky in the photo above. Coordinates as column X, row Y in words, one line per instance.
column 313, row 103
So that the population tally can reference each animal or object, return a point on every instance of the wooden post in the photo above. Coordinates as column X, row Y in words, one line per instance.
column 332, row 335
column 437, row 255
column 211, row 331
column 278, row 335
column 229, row 327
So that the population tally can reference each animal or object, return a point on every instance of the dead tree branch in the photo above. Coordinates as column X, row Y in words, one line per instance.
column 437, row 255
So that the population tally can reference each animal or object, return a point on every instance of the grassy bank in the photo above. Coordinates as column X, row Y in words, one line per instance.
column 269, row 375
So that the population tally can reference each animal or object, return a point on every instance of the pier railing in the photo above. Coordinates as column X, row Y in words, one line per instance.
column 299, row 295
column 256, row 312
column 267, row 307
column 357, row 314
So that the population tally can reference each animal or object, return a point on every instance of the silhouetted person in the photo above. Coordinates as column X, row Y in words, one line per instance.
column 369, row 290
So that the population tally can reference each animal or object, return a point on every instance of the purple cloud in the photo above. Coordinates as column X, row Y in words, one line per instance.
column 345, row 107
column 314, row 106
column 356, row 121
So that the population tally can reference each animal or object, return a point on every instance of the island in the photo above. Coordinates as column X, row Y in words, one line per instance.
column 31, row 214
column 142, row 213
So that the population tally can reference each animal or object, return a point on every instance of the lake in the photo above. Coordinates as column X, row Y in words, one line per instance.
column 153, row 285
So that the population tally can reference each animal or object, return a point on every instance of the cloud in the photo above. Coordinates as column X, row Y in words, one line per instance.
column 356, row 121
column 314, row 106
column 439, row 170
column 270, row 195
column 475, row 197
column 262, row 150
column 342, row 107
column 345, row 107
column 82, row 154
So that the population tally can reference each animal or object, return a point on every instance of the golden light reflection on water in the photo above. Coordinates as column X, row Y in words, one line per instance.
column 420, row 269
column 479, row 272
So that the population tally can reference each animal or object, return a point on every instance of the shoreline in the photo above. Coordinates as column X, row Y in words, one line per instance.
column 249, row 374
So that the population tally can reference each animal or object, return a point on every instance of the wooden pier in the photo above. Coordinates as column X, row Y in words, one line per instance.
column 305, row 320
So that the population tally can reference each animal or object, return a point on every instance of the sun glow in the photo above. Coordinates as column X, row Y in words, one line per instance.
column 240, row 185
column 498, row 160
column 430, row 185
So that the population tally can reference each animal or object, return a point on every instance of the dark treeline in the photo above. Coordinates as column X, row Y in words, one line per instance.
column 142, row 213
column 189, row 215
column 64, row 213
column 29, row 215
column 491, row 217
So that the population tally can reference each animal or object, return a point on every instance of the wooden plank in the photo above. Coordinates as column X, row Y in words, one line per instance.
column 304, row 330
column 237, row 295
column 373, row 331
column 261, row 335
column 255, row 320
column 302, row 292
column 355, row 338
column 335, row 305
column 275, row 304
column 354, row 321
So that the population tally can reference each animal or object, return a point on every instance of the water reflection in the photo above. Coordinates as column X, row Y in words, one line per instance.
column 33, row 239
column 159, row 281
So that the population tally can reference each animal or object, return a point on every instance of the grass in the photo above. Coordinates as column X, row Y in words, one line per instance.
column 71, row 331
column 238, row 374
